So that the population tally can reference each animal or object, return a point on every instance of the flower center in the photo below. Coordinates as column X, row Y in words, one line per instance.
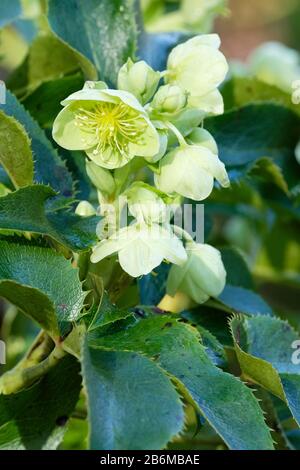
column 115, row 126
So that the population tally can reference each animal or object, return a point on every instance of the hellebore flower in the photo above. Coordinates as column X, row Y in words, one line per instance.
column 139, row 79
column 111, row 126
column 202, row 276
column 190, row 171
column 198, row 67
column 275, row 64
column 145, row 205
column 141, row 248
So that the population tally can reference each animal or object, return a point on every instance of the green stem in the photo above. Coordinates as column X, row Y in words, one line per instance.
column 39, row 350
column 176, row 132
column 20, row 378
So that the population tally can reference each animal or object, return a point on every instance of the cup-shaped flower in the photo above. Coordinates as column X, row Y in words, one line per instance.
column 169, row 99
column 202, row 276
column 190, row 171
column 198, row 67
column 139, row 79
column 141, row 248
column 111, row 126
column 145, row 204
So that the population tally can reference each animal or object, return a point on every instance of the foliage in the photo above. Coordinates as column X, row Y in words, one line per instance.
column 134, row 353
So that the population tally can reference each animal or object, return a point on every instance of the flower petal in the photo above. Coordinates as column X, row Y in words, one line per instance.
column 67, row 134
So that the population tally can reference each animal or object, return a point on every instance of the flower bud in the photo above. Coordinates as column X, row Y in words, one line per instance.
column 190, row 172
column 85, row 209
column 144, row 204
column 139, row 79
column 202, row 276
column 101, row 178
column 169, row 99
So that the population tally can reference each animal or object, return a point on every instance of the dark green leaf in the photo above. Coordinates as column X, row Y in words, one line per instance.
column 44, row 102
column 103, row 31
column 243, row 300
column 48, row 167
column 37, row 418
column 107, row 313
column 41, row 283
column 132, row 403
column 247, row 134
column 15, row 152
column 238, row 273
column 213, row 320
column 227, row 403
column 264, row 347
column 25, row 210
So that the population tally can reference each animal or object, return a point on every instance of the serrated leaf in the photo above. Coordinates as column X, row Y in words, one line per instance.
column 264, row 349
column 42, row 284
column 48, row 167
column 227, row 403
column 132, row 403
column 213, row 320
column 107, row 313
column 103, row 31
column 15, row 151
column 26, row 210
column 37, row 418
column 247, row 134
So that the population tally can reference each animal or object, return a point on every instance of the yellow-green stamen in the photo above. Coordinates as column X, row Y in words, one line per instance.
column 114, row 126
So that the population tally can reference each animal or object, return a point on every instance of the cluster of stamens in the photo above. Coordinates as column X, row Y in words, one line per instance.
column 114, row 127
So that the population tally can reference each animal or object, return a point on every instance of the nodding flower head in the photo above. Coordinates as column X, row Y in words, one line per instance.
column 109, row 125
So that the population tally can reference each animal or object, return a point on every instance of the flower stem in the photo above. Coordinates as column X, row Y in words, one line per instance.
column 176, row 304
column 20, row 378
column 177, row 133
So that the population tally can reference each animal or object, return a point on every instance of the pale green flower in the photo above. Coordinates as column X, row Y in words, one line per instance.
column 201, row 136
column 275, row 64
column 198, row 67
column 111, row 126
column 85, row 209
column 139, row 79
column 145, row 204
column 190, row 171
column 169, row 99
column 141, row 248
column 163, row 145
column 202, row 276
